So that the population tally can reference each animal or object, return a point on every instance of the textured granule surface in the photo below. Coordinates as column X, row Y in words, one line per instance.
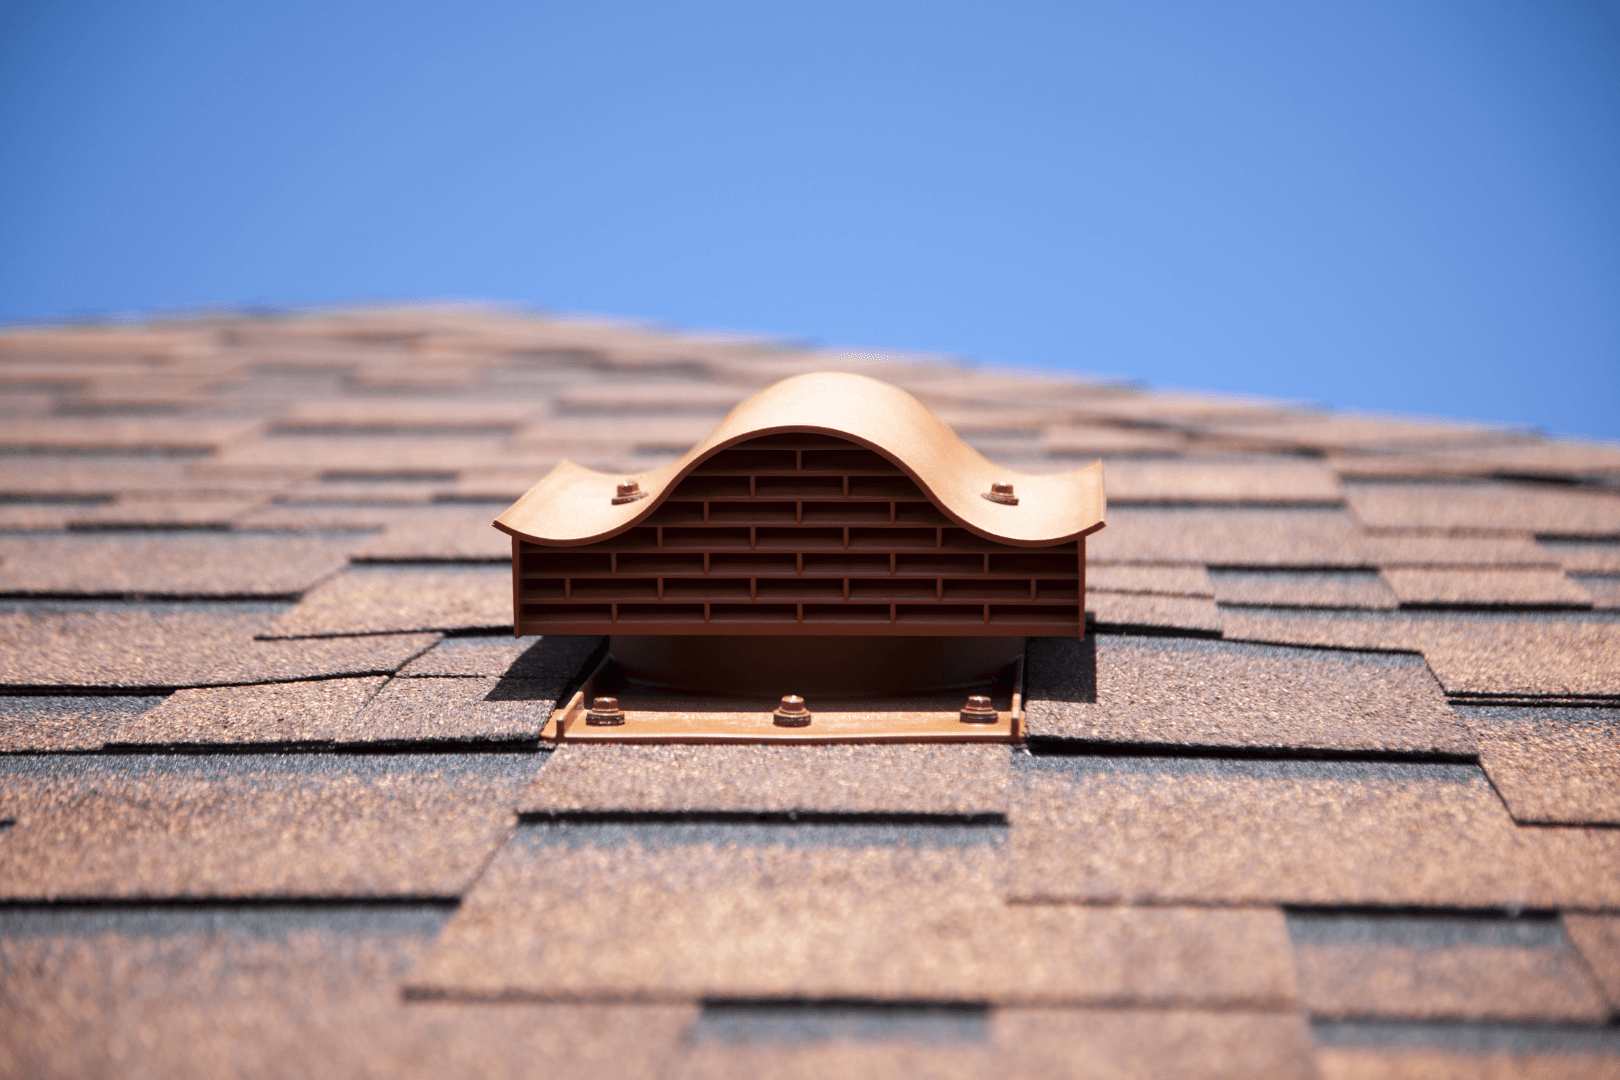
column 1327, row 791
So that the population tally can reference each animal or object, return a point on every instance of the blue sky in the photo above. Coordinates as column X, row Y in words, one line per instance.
column 1407, row 205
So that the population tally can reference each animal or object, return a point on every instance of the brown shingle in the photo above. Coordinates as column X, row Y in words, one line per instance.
column 1481, row 654
column 458, row 710
column 61, row 645
column 1170, row 830
column 1441, row 967
column 874, row 913
column 322, row 710
column 555, row 657
column 1302, row 588
column 1603, row 589
column 1222, row 482
column 197, row 993
column 1447, row 1050
column 916, row 779
column 865, row 1043
column 1522, row 458
column 1549, row 764
column 1539, row 587
column 255, row 825
column 1486, row 508
column 1352, row 432
column 1101, row 440
column 1136, row 611
column 168, row 564
column 1289, row 538
column 1592, row 558
column 127, row 512
column 32, row 724
column 450, row 533
column 1159, row 690
column 386, row 600
column 122, row 433
column 1156, row 580
column 1597, row 937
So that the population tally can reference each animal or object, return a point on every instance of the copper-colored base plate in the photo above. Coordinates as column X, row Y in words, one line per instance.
column 655, row 715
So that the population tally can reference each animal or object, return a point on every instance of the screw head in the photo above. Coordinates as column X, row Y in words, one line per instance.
column 604, row 712
column 1001, row 492
column 792, row 712
column 979, row 710
column 629, row 491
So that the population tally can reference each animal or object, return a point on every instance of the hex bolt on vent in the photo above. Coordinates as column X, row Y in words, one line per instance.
column 978, row 710
column 1001, row 493
column 604, row 712
column 628, row 492
column 791, row 713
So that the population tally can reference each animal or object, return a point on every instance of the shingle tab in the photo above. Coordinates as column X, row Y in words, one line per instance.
column 839, row 779
column 1245, row 537
column 1597, row 937
column 259, row 825
column 896, row 913
column 204, row 992
column 114, row 645
column 321, row 710
column 1179, row 830
column 1142, row 1044
column 1457, row 587
column 1138, row 611
column 553, row 657
column 1517, row 508
column 1551, row 764
column 1484, row 654
column 166, row 564
column 1441, row 967
column 1362, row 589
column 1161, row 690
column 392, row 600
column 1256, row 481
column 1154, row 580
column 458, row 710
column 32, row 724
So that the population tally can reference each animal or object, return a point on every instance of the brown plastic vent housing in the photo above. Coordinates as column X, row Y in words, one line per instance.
column 827, row 505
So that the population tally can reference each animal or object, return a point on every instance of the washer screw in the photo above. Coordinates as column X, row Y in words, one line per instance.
column 604, row 712
column 1000, row 493
column 629, row 492
column 978, row 710
column 791, row 713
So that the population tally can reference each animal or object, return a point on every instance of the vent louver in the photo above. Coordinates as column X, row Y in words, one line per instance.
column 799, row 534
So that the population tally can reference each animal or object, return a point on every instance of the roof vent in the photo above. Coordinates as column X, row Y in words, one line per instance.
column 826, row 506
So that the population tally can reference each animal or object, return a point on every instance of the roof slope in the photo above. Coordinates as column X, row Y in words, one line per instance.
column 1329, row 791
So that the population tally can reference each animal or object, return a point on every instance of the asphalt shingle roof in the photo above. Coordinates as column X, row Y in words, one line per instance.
column 1329, row 791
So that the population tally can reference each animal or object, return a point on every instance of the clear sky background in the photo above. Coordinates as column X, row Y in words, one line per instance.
column 1409, row 205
